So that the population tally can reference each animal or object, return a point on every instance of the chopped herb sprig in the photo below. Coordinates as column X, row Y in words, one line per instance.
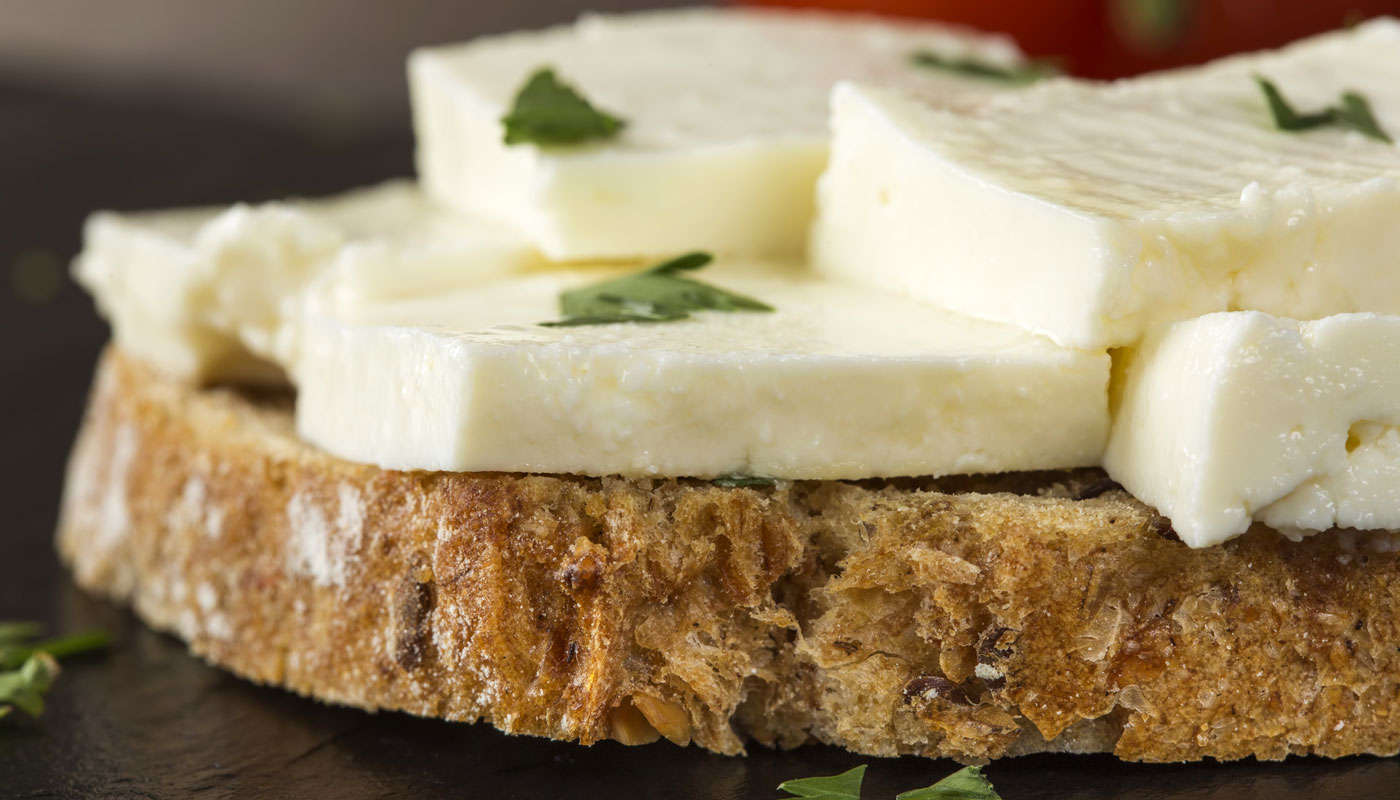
column 12, row 655
column 1016, row 75
column 658, row 294
column 1353, row 112
column 550, row 112
column 845, row 786
column 967, row 783
column 24, row 688
column 17, row 632
column 28, row 667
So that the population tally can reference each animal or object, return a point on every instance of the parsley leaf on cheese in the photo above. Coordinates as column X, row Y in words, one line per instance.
column 967, row 783
column 972, row 68
column 845, row 786
column 548, row 111
column 1285, row 117
column 1353, row 113
column 657, row 294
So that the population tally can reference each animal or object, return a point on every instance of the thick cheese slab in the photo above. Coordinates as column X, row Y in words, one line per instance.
column 1089, row 213
column 139, row 270
column 1240, row 417
column 726, row 124
column 216, row 294
column 839, row 382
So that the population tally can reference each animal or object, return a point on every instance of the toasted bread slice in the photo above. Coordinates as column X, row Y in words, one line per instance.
column 970, row 617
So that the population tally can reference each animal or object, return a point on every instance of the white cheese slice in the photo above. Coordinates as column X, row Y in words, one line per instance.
column 839, row 382
column 726, row 124
column 1089, row 213
column 218, row 294
column 1234, row 418
column 138, row 269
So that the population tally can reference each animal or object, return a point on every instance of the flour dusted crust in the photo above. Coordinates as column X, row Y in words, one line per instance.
column 972, row 618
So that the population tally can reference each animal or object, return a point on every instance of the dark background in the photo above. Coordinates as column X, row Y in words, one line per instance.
column 145, row 103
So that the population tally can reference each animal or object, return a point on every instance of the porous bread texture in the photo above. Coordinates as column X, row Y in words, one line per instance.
column 969, row 617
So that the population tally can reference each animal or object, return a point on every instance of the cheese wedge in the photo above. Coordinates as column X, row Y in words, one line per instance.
column 215, row 294
column 1089, row 213
column 838, row 382
column 1240, row 417
column 726, row 124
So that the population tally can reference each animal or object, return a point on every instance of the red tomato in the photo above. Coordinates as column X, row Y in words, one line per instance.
column 1040, row 27
column 1113, row 38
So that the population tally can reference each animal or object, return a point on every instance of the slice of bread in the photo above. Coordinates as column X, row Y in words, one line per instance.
column 968, row 617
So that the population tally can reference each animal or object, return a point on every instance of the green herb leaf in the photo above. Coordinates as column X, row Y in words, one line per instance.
column 845, row 786
column 12, row 655
column 31, row 666
column 19, row 632
column 1019, row 75
column 548, row 111
column 967, row 783
column 1354, row 113
column 658, row 294
column 24, row 688
column 1285, row 117
column 736, row 480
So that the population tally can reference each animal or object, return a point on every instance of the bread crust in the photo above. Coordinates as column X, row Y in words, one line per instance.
column 972, row 618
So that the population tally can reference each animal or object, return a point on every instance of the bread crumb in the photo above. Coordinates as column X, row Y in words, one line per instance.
column 987, row 672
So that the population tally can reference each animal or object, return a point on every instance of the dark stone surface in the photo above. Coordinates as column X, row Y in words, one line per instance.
column 146, row 720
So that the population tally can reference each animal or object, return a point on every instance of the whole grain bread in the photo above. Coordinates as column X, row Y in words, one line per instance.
column 970, row 617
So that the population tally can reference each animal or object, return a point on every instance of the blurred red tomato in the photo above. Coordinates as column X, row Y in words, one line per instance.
column 1113, row 38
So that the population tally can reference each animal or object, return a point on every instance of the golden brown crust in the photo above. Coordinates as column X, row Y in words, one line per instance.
column 930, row 617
